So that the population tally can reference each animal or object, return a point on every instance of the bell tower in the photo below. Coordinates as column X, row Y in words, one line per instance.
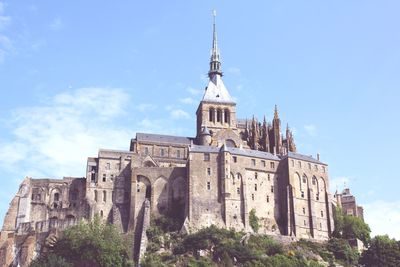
column 217, row 109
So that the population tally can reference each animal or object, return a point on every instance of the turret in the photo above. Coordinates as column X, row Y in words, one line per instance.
column 205, row 137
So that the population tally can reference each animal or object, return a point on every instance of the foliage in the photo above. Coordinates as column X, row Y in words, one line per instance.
column 254, row 220
column 351, row 227
column 264, row 245
column 342, row 251
column 51, row 260
column 92, row 244
column 382, row 251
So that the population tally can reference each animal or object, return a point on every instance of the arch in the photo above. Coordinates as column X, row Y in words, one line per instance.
column 230, row 143
column 227, row 116
column 219, row 115
column 160, row 188
column 211, row 114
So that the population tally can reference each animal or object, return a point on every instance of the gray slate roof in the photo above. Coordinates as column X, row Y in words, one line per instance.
column 303, row 157
column 159, row 138
column 234, row 151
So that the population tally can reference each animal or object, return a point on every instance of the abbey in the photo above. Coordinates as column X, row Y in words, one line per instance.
column 231, row 167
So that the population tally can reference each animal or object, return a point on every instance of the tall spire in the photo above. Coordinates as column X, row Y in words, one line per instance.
column 215, row 64
column 276, row 116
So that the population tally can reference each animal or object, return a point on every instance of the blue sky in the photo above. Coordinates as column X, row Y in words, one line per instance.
column 76, row 76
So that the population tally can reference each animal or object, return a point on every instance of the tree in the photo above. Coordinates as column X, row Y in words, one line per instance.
column 350, row 227
column 382, row 251
column 51, row 260
column 92, row 244
column 254, row 220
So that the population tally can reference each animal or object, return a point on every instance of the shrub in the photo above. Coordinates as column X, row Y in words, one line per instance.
column 254, row 220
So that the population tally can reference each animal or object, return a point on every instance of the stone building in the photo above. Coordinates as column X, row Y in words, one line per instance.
column 347, row 202
column 231, row 167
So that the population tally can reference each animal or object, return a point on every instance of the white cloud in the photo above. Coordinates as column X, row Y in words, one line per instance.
column 144, row 107
column 234, row 71
column 311, row 129
column 55, row 139
column 383, row 217
column 179, row 114
column 187, row 100
column 57, row 24
column 194, row 91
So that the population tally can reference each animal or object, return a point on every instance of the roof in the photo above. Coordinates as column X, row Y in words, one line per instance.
column 159, row 138
column 303, row 157
column 217, row 92
column 234, row 151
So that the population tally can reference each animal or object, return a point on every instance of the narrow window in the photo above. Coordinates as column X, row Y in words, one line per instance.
column 137, row 188
column 226, row 116
column 272, row 165
column 255, row 187
column 209, row 171
column 253, row 162
column 206, row 156
column 269, row 177
column 305, row 222
column 108, row 166
column 263, row 163
column 322, row 213
column 323, row 169
column 104, row 196
column 101, row 214
column 272, row 188
column 104, row 177
column 234, row 159
column 146, row 150
column 292, row 163
column 314, row 182
column 93, row 177
column 208, row 186
column 302, row 194
column 252, row 196
column 304, row 179
column 95, row 195
column 211, row 114
column 317, row 196
column 56, row 197
column 238, row 190
column 219, row 115
column 255, row 176
column 299, row 163
column 267, row 198
column 178, row 153
column 304, row 210
column 162, row 152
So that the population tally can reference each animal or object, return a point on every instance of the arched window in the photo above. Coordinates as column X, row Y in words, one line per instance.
column 104, row 196
column 219, row 115
column 226, row 116
column 211, row 114
column 101, row 214
column 56, row 196
column 95, row 195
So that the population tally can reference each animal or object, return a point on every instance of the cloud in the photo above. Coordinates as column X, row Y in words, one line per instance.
column 383, row 217
column 144, row 107
column 179, row 114
column 55, row 138
column 234, row 71
column 57, row 24
column 311, row 129
column 194, row 91
column 187, row 100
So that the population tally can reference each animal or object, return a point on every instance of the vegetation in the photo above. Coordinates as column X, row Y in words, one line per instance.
column 351, row 227
column 254, row 220
column 382, row 251
column 88, row 244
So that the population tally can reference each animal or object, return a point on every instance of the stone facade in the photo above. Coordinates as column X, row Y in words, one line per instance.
column 231, row 167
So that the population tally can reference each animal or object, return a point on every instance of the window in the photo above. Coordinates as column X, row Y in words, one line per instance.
column 316, row 167
column 272, row 164
column 317, row 196
column 209, row 171
column 104, row 196
column 322, row 213
column 299, row 164
column 208, row 186
column 269, row 177
column 302, row 194
column 93, row 177
column 304, row 210
column 104, row 177
column 253, row 162
column 272, row 188
column 252, row 196
column 304, row 179
column 56, row 197
column 238, row 190
column 267, row 198
column 108, row 166
column 146, row 150
column 263, row 163
column 112, row 177
column 255, row 187
column 226, row 116
column 137, row 188
column 314, row 181
column 219, row 115
column 255, row 176
column 323, row 168
column 211, row 114
column 206, row 156
column 305, row 222
column 292, row 163
column 101, row 214
column 178, row 153
column 95, row 195
column 162, row 152
column 234, row 159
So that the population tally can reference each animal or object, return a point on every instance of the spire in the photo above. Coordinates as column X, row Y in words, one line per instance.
column 215, row 64
column 276, row 115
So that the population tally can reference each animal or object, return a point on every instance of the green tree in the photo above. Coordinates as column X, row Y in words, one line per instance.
column 254, row 220
column 382, row 251
column 92, row 244
column 51, row 260
column 343, row 251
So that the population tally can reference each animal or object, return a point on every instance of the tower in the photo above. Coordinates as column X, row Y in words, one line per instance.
column 276, row 133
column 217, row 109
